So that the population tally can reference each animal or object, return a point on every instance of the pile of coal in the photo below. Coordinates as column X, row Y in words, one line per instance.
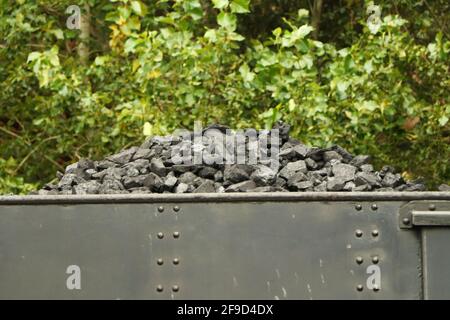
column 150, row 168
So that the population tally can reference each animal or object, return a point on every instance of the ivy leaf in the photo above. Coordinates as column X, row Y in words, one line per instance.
column 227, row 21
column 220, row 4
column 139, row 8
column 240, row 6
column 33, row 56
column 443, row 121
column 148, row 128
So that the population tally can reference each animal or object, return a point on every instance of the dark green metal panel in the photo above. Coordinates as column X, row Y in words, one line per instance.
column 436, row 258
column 431, row 219
column 225, row 249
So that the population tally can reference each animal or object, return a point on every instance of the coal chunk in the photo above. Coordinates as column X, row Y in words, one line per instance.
column 263, row 175
column 292, row 168
column 235, row 174
column 153, row 182
column 157, row 166
column 123, row 157
column 344, row 172
column 206, row 187
column 244, row 186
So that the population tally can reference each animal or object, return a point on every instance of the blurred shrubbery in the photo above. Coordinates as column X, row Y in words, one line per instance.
column 153, row 66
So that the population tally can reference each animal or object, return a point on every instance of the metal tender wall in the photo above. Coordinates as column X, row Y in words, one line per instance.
column 303, row 246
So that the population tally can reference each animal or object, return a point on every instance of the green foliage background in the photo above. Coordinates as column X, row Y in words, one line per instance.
column 154, row 66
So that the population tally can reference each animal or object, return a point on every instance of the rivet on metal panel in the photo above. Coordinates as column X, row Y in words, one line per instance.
column 159, row 288
column 160, row 209
column 406, row 221
column 359, row 287
column 175, row 288
column 358, row 233
column 376, row 288
column 160, row 235
column 359, row 260
column 375, row 259
column 374, row 207
column 375, row 233
column 176, row 234
column 176, row 208
column 358, row 207
column 160, row 261
column 176, row 261
column 432, row 207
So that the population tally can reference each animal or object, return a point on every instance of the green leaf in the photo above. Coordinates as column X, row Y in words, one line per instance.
column 211, row 35
column 148, row 129
column 220, row 4
column 240, row 6
column 246, row 74
column 227, row 21
column 33, row 56
column 443, row 121
column 139, row 8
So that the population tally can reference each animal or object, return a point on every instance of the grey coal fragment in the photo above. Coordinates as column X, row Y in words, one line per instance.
column 90, row 172
column 219, row 188
column 346, row 156
column 110, row 186
column 140, row 190
column 415, row 187
column 235, row 174
column 331, row 155
column 263, row 175
column 105, row 164
column 112, row 173
column 311, row 164
column 153, row 182
column 360, row 160
column 322, row 187
column 392, row 180
column 315, row 177
column 267, row 189
column 206, row 187
column 336, row 184
column 157, row 166
column 367, row 168
column 218, row 176
column 123, row 156
column 387, row 189
column 142, row 153
column 71, row 168
column 187, row 178
column 284, row 129
column 182, row 168
column 349, row 186
column 182, row 188
column 292, row 168
column 363, row 187
column 296, row 179
column 244, row 186
column 344, row 172
column 170, row 181
column 367, row 178
column 207, row 172
column 134, row 182
column 69, row 180
column 85, row 164
column 90, row 187
column 302, row 185
column 280, row 182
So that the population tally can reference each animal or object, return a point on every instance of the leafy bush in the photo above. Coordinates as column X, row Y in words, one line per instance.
column 154, row 68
